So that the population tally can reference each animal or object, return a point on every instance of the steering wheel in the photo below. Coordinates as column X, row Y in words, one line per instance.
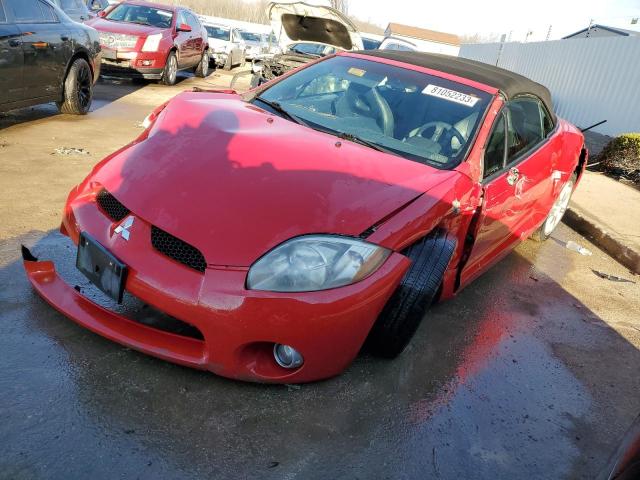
column 359, row 100
column 439, row 128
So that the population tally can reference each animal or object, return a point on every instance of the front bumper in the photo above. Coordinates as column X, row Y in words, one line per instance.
column 147, row 65
column 239, row 327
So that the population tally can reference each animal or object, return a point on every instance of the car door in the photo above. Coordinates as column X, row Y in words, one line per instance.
column 499, row 217
column 11, row 60
column 46, row 46
column 196, row 38
column 535, row 161
column 237, row 47
column 517, row 184
column 183, row 41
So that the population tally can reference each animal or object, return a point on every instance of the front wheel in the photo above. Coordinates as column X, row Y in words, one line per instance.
column 404, row 311
column 170, row 73
column 557, row 212
column 202, row 70
column 78, row 89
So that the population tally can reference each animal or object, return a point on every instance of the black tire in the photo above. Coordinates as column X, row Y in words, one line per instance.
column 202, row 70
column 544, row 232
column 404, row 311
column 170, row 73
column 78, row 89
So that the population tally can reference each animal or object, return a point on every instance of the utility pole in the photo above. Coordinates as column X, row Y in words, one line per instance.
column 549, row 33
column 589, row 29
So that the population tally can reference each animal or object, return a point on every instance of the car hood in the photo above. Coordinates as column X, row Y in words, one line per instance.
column 124, row 28
column 301, row 22
column 235, row 181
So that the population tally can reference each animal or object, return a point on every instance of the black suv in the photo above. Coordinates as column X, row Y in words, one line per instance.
column 46, row 57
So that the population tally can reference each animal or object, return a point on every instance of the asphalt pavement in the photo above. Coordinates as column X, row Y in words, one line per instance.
column 530, row 372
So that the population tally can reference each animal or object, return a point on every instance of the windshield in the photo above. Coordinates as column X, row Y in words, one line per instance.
column 421, row 117
column 251, row 37
column 219, row 33
column 142, row 15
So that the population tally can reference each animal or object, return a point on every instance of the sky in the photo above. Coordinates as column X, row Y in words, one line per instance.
column 500, row 17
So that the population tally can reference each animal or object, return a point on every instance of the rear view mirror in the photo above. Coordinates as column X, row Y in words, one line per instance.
column 183, row 27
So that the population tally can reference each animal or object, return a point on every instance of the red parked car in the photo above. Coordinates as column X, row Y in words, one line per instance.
column 151, row 41
column 329, row 207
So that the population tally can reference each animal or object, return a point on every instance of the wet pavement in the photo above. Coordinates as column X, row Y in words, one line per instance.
column 531, row 372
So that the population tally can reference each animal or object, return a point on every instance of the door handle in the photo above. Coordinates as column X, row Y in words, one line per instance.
column 14, row 43
column 513, row 176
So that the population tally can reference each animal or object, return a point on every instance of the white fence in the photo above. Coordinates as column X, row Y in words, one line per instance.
column 590, row 79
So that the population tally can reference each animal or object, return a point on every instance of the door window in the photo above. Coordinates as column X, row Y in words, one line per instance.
column 494, row 154
column 181, row 19
column 525, row 126
column 31, row 11
column 3, row 17
column 192, row 21
column 547, row 122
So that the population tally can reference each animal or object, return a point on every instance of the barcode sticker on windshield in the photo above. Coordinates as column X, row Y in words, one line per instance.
column 450, row 95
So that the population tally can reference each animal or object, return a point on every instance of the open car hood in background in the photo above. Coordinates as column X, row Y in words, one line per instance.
column 301, row 22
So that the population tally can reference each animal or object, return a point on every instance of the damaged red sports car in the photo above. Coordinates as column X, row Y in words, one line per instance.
column 328, row 209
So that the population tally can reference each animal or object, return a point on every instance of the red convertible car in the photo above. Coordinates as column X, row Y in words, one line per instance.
column 325, row 210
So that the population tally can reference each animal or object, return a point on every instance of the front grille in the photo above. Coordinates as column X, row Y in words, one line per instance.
column 117, row 40
column 111, row 206
column 177, row 249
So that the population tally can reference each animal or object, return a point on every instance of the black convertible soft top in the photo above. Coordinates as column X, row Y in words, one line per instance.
column 509, row 83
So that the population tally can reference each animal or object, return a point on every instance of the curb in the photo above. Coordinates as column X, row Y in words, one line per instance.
column 620, row 252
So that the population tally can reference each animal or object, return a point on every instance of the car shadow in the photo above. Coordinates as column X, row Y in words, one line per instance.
column 106, row 91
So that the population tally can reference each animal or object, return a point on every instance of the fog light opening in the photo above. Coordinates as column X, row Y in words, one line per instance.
column 287, row 357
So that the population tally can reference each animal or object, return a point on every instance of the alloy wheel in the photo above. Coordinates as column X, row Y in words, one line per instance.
column 559, row 208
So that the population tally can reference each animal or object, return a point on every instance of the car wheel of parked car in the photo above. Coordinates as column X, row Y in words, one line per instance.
column 557, row 212
column 402, row 314
column 170, row 74
column 202, row 70
column 78, row 89
column 228, row 63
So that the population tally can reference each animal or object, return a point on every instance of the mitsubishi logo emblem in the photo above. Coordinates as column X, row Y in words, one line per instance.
column 123, row 228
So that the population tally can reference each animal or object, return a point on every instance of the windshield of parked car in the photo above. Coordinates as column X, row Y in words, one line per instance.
column 219, row 33
column 142, row 15
column 370, row 44
column 251, row 37
column 421, row 117
column 313, row 49
column 73, row 6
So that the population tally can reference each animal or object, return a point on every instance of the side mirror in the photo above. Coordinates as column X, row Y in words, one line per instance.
column 183, row 27
column 102, row 14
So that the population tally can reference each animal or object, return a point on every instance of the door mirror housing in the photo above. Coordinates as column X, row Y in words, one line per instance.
column 183, row 27
column 102, row 14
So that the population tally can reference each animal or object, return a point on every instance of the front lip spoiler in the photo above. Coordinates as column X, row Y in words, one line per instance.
column 67, row 300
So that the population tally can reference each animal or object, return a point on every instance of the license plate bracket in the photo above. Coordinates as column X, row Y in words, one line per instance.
column 101, row 268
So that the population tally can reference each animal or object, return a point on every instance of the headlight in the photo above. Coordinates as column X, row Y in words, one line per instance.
column 152, row 43
column 315, row 262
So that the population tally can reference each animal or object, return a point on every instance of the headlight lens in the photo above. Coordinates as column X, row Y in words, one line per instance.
column 152, row 43
column 315, row 262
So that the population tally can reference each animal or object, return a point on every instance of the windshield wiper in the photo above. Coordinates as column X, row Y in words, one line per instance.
column 278, row 108
column 356, row 139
